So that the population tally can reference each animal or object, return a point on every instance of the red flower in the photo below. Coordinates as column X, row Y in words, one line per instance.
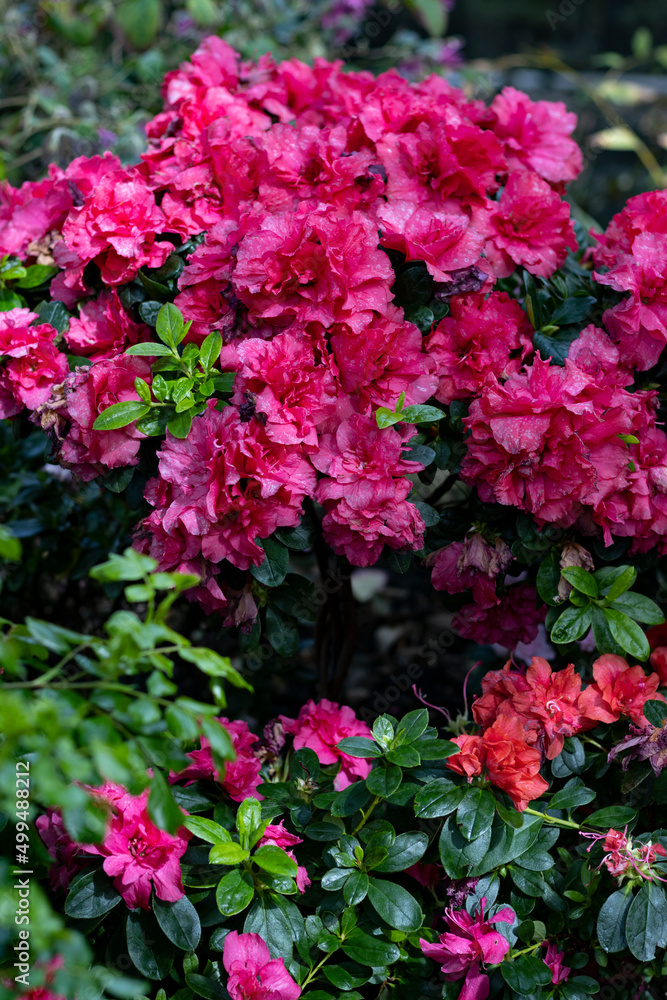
column 511, row 763
column 536, row 135
column 553, row 704
column 445, row 242
column 471, row 563
column 34, row 364
column 470, row 759
column 320, row 727
column 103, row 329
column 513, row 619
column 619, row 690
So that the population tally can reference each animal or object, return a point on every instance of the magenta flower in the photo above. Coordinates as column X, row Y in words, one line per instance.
column 554, row 959
column 276, row 835
column 138, row 855
column 253, row 974
column 469, row 942
column 241, row 776
column 320, row 727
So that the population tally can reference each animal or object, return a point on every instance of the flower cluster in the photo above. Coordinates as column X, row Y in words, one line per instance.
column 526, row 718
column 627, row 860
column 293, row 196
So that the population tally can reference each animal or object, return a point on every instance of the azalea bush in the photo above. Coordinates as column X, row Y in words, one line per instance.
column 331, row 322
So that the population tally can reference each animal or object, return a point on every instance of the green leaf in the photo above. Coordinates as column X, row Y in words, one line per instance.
column 411, row 726
column 548, row 579
column 384, row 781
column 273, row 570
column 281, row 632
column 209, row 352
column 204, row 986
column 574, row 794
column 120, row 415
column 630, row 636
column 355, row 888
column 615, row 580
column 92, row 896
column 421, row 414
column 275, row 861
column 162, row 807
column 431, row 13
column 581, row 579
column 611, row 816
column 139, row 20
column 227, row 854
column 179, row 922
column 612, row 920
column 346, row 975
column 359, row 746
column 641, row 608
column 406, row 850
column 646, row 926
column 368, row 950
column 170, row 327
column 395, row 905
column 475, row 812
column 221, row 744
column 36, row 275
column 207, row 830
column 248, row 820
column 572, row 624
column 234, row 893
column 10, row 547
column 457, row 853
column 267, row 919
column 383, row 731
column 526, row 973
column 180, row 424
column 147, row 946
column 386, row 417
column 439, row 798
column 404, row 757
column 436, row 749
column 655, row 711
column 149, row 350
column 54, row 313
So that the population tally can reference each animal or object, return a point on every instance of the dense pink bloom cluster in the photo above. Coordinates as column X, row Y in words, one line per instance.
column 304, row 181
column 306, row 192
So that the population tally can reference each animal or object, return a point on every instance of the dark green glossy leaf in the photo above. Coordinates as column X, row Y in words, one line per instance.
column 395, row 905
column 629, row 636
column 234, row 892
column 369, row 950
column 93, row 895
column 147, row 946
column 646, row 926
column 179, row 922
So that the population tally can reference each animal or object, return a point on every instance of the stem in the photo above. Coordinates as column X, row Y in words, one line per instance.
column 567, row 823
column 525, row 951
column 313, row 972
column 365, row 815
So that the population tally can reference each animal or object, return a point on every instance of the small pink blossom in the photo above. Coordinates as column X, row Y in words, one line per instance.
column 470, row 942
column 554, row 959
column 320, row 726
column 276, row 835
column 241, row 776
column 253, row 974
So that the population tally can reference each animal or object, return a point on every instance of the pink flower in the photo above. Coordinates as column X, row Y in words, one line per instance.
column 89, row 452
column 446, row 242
column 529, row 227
column 228, row 484
column 384, row 360
column 638, row 324
column 64, row 851
column 316, row 266
column 470, row 942
column 281, row 381
column 553, row 703
column 365, row 494
column 117, row 227
column 320, row 727
column 482, row 338
column 253, row 974
column 625, row 859
column 34, row 364
column 103, row 329
column 536, row 135
column 276, row 835
column 619, row 690
column 241, row 776
column 643, row 213
column 137, row 855
column 554, row 959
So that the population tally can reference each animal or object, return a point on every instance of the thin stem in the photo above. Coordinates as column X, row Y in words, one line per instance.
column 365, row 815
column 313, row 972
column 526, row 951
column 567, row 823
